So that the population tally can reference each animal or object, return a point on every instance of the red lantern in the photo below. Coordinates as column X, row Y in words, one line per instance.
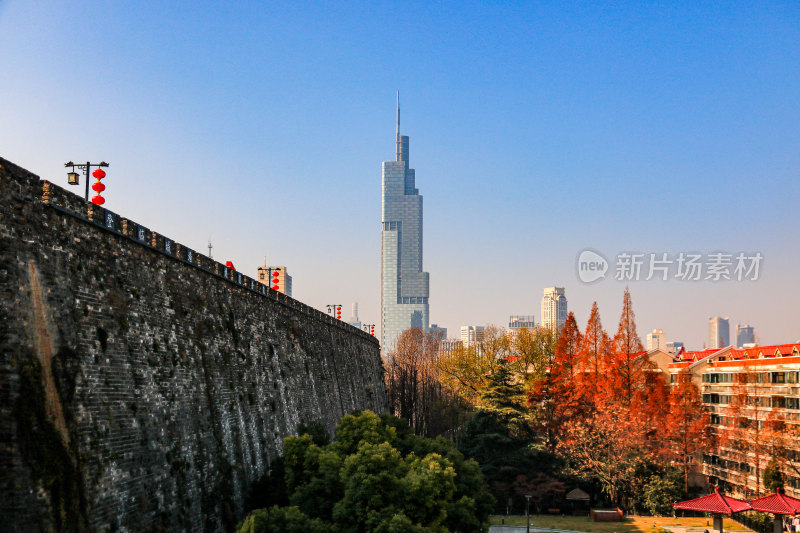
column 230, row 265
column 99, row 173
column 98, row 200
column 372, row 330
column 99, row 187
column 275, row 287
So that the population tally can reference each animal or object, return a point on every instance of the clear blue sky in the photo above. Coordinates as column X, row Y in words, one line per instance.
column 537, row 129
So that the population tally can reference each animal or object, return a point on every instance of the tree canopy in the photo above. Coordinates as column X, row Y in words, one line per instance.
column 376, row 475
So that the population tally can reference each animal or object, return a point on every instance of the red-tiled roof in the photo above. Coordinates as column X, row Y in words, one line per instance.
column 698, row 355
column 714, row 503
column 776, row 503
column 757, row 362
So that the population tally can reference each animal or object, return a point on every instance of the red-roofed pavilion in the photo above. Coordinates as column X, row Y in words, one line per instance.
column 717, row 504
column 776, row 504
column 779, row 505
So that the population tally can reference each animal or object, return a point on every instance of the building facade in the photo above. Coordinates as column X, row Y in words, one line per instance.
column 276, row 277
column 674, row 347
column 518, row 322
column 354, row 320
column 657, row 340
column 471, row 335
column 745, row 335
column 434, row 329
column 719, row 332
column 753, row 401
column 554, row 308
column 404, row 286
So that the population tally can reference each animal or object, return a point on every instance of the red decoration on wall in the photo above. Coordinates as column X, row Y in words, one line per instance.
column 99, row 173
column 230, row 265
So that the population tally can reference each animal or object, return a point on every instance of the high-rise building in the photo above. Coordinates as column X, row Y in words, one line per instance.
column 554, row 308
column 719, row 332
column 673, row 347
column 448, row 345
column 436, row 330
column 404, row 286
column 518, row 322
column 354, row 320
column 745, row 335
column 276, row 277
column 657, row 340
column 471, row 335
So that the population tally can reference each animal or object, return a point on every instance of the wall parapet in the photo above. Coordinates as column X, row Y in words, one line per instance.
column 73, row 205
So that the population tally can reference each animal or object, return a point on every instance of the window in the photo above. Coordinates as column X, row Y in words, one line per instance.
column 778, row 377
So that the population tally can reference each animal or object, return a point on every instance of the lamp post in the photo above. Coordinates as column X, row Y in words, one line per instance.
column 527, row 513
column 72, row 176
column 335, row 310
column 369, row 328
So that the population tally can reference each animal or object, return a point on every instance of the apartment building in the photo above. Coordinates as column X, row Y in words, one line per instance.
column 753, row 400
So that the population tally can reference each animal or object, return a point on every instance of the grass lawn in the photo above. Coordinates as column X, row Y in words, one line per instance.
column 643, row 524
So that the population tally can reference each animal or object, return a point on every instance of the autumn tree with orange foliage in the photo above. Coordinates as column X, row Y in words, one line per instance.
column 626, row 372
column 596, row 347
column 687, row 425
column 555, row 399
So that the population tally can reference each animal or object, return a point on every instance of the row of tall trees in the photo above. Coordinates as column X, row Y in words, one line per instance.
column 416, row 390
column 609, row 409
column 595, row 407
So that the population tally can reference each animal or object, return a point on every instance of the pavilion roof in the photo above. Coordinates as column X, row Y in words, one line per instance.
column 777, row 503
column 714, row 503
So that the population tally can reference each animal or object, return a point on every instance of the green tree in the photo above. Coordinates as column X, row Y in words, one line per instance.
column 376, row 475
column 284, row 519
column 662, row 490
column 773, row 478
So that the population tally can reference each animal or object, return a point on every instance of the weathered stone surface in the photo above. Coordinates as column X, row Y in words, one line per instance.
column 144, row 386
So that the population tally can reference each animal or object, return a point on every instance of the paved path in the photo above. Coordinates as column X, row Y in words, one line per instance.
column 521, row 529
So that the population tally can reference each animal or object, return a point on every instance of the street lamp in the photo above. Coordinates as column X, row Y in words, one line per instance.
column 335, row 310
column 73, row 178
column 369, row 328
column 527, row 513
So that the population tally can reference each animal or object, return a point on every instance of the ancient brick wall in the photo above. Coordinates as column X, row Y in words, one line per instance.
column 144, row 386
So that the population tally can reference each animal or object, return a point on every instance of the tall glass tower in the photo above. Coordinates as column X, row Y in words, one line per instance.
column 404, row 286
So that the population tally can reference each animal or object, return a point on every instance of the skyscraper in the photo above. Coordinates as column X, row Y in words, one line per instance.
column 404, row 286
column 657, row 340
column 471, row 335
column 719, row 332
column 354, row 320
column 554, row 308
column 745, row 335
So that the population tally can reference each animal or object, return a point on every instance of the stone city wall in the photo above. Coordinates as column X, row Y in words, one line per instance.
column 144, row 386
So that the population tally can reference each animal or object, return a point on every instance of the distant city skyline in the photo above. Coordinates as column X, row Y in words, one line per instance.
column 541, row 129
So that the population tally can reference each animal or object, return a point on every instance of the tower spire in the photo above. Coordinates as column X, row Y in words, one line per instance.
column 398, row 141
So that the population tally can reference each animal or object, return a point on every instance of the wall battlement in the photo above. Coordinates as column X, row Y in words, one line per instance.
column 145, row 386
